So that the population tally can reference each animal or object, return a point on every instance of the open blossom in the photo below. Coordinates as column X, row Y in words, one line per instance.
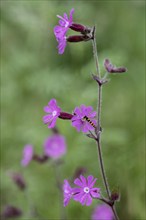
column 64, row 23
column 60, row 30
column 103, row 212
column 85, row 190
column 83, row 119
column 27, row 155
column 67, row 192
column 53, row 112
column 55, row 146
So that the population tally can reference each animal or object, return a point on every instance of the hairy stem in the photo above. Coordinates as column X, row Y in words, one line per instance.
column 115, row 213
column 95, row 53
column 98, row 129
column 102, row 168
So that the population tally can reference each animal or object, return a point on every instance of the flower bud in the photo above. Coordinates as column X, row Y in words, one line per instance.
column 79, row 171
column 113, row 69
column 65, row 116
column 18, row 180
column 80, row 28
column 55, row 130
column 11, row 212
column 40, row 159
column 78, row 38
column 115, row 195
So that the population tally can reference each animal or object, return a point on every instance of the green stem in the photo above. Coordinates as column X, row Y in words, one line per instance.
column 95, row 54
column 98, row 129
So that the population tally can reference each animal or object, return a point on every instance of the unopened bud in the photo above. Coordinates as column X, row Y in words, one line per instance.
column 11, row 212
column 79, row 171
column 80, row 28
column 65, row 116
column 113, row 69
column 115, row 195
column 40, row 159
column 55, row 130
column 78, row 38
column 18, row 179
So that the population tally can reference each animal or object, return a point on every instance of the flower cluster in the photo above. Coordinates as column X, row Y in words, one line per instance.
column 54, row 147
column 65, row 23
column 83, row 118
column 83, row 193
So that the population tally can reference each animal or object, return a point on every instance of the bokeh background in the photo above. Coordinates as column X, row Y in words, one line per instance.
column 32, row 73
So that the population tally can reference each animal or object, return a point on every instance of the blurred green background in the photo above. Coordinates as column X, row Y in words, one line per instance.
column 32, row 73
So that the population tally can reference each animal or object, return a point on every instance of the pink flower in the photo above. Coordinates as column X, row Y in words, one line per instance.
column 103, row 212
column 64, row 24
column 27, row 155
column 55, row 146
column 85, row 192
column 83, row 119
column 61, row 29
column 67, row 192
column 53, row 113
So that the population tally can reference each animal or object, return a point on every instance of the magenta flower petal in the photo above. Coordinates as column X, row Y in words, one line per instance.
column 47, row 118
column 27, row 155
column 92, row 183
column 95, row 192
column 53, row 113
column 86, row 128
column 78, row 182
column 92, row 114
column 59, row 32
column 55, row 146
column 103, row 212
column 61, row 45
column 89, row 180
column 52, row 123
column 88, row 201
column 47, row 109
column 84, row 199
column 78, row 112
column 53, row 103
column 78, row 195
column 77, row 124
column 67, row 192
column 71, row 15
column 83, row 179
column 83, row 119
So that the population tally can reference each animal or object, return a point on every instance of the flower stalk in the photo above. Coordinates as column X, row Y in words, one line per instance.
column 98, row 128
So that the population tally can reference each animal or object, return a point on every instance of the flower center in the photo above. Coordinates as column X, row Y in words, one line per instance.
column 86, row 189
column 66, row 24
column 54, row 113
